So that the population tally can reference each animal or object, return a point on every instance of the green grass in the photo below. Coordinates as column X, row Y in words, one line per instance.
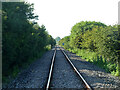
column 98, row 60
column 48, row 47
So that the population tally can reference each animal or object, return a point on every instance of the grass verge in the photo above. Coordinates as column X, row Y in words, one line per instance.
column 98, row 60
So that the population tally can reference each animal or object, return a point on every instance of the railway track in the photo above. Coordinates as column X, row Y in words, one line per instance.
column 84, row 83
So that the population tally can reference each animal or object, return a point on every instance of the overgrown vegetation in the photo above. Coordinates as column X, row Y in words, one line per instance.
column 57, row 39
column 23, row 39
column 96, row 42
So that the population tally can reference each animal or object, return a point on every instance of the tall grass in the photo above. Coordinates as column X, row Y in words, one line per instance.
column 96, row 59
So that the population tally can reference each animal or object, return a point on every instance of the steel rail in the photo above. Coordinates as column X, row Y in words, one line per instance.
column 87, row 86
column 51, row 69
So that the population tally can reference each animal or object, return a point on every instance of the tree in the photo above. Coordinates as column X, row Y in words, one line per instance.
column 98, row 38
column 65, row 42
column 57, row 39
column 23, row 39
column 79, row 29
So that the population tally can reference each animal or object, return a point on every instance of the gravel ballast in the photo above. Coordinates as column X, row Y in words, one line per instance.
column 63, row 74
column 35, row 75
column 94, row 75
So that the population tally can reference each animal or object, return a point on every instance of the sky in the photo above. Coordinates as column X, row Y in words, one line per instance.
column 59, row 16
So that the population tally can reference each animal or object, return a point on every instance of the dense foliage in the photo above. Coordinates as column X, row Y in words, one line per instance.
column 57, row 39
column 23, row 39
column 97, row 43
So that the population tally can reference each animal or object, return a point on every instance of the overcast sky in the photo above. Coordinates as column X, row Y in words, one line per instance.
column 59, row 16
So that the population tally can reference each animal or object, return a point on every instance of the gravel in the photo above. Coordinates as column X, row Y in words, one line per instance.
column 35, row 75
column 94, row 75
column 63, row 74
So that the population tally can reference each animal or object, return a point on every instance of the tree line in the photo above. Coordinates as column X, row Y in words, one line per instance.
column 96, row 42
column 23, row 39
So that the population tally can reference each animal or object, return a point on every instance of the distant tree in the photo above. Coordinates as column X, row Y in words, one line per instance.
column 65, row 42
column 57, row 39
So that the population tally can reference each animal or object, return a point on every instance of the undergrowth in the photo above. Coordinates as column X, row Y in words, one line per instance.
column 17, row 69
column 98, row 60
